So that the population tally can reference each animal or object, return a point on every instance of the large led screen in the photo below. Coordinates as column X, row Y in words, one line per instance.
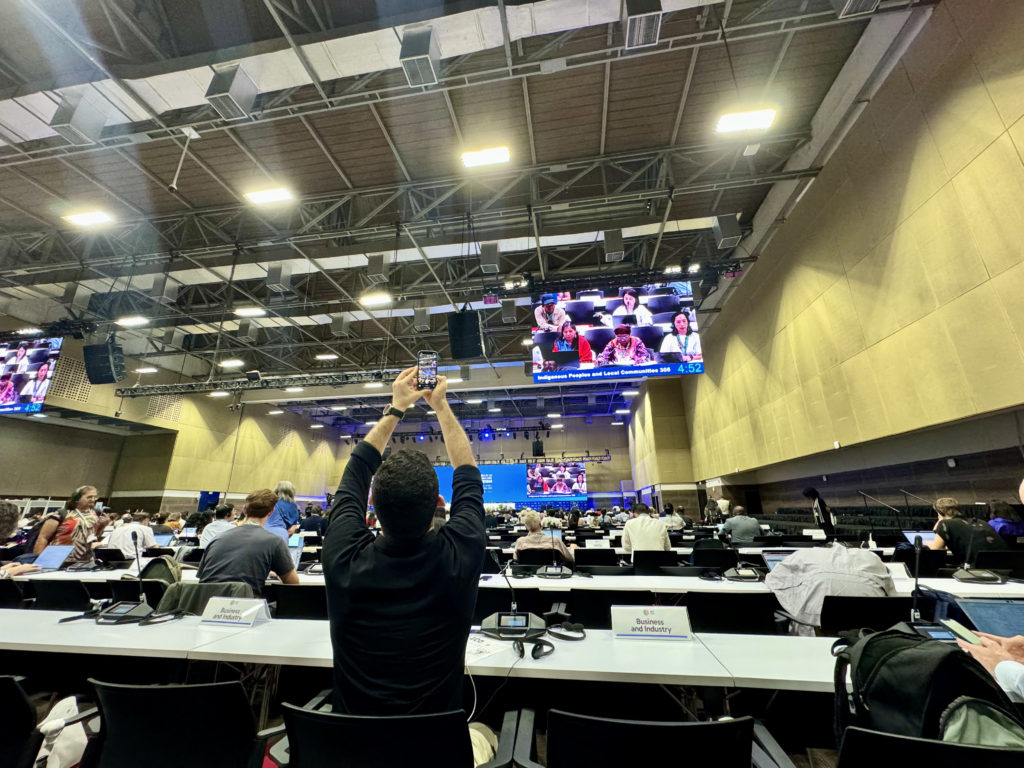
column 509, row 483
column 634, row 331
column 26, row 370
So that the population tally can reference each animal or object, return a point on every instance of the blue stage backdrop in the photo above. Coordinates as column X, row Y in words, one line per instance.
column 503, row 484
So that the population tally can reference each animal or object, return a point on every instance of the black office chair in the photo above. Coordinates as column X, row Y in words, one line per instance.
column 734, row 613
column 722, row 559
column 60, row 595
column 318, row 738
column 685, row 570
column 650, row 335
column 21, row 741
column 581, row 741
column 541, row 557
column 863, row 747
column 11, row 595
column 593, row 607
column 153, row 589
column 125, row 739
column 930, row 563
column 605, row 570
column 842, row 613
column 648, row 562
column 596, row 557
column 663, row 303
column 1008, row 560
column 193, row 556
column 301, row 601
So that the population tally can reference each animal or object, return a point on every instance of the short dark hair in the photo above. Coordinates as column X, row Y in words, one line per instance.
column 260, row 503
column 811, row 493
column 140, row 517
column 999, row 508
column 9, row 515
column 223, row 511
column 405, row 494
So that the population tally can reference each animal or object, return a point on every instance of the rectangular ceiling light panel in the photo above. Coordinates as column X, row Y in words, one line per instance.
column 758, row 120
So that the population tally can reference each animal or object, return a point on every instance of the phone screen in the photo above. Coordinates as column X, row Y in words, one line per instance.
column 426, row 376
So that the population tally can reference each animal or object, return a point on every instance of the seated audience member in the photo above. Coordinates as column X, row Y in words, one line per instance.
column 8, row 394
column 440, row 515
column 624, row 349
column 77, row 524
column 549, row 316
column 961, row 533
column 535, row 538
column 571, row 341
column 574, row 517
column 682, row 340
column 8, row 527
column 121, row 538
column 645, row 531
column 631, row 306
column 160, row 524
column 804, row 578
column 742, row 528
column 673, row 520
column 221, row 524
column 314, row 522
column 405, row 599
column 1003, row 657
column 174, row 522
column 560, row 485
column 249, row 553
column 1004, row 519
column 620, row 516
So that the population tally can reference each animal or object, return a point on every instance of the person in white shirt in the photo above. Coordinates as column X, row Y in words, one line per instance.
column 631, row 306
column 580, row 483
column 37, row 388
column 682, row 339
column 222, row 523
column 645, row 531
column 673, row 520
column 1003, row 657
column 121, row 538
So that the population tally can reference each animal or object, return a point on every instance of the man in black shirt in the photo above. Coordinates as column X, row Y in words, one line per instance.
column 314, row 521
column 401, row 604
column 961, row 533
column 249, row 552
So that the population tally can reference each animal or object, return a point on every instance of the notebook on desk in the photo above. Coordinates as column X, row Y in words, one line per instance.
column 997, row 616
column 53, row 557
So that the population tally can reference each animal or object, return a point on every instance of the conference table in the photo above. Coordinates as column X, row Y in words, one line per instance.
column 728, row 661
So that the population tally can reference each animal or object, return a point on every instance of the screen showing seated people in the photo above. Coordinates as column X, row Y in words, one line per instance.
column 623, row 333
column 561, row 480
column 504, row 484
column 26, row 370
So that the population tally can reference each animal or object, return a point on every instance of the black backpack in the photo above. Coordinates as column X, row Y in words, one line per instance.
column 33, row 534
column 906, row 684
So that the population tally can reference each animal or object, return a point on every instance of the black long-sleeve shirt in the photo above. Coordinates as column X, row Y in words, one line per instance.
column 400, row 609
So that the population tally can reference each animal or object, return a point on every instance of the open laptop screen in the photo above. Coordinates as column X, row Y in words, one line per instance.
column 163, row 539
column 53, row 556
column 554, row 532
column 1001, row 616
column 773, row 558
column 926, row 536
column 189, row 533
column 296, row 555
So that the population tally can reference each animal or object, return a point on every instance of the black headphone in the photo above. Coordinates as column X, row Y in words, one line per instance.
column 561, row 631
column 541, row 648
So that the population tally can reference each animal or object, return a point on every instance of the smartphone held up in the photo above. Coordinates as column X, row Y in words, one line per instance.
column 426, row 369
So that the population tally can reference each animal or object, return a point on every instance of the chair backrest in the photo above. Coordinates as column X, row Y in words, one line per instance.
column 540, row 557
column 303, row 601
column 10, row 594
column 324, row 738
column 840, row 613
column 647, row 562
column 128, row 590
column 596, row 557
column 21, row 741
column 650, row 335
column 194, row 555
column 581, row 741
column 863, row 747
column 1002, row 560
column 663, row 303
column 706, row 542
column 593, row 607
column 60, row 595
column 190, row 596
column 737, row 613
column 126, row 733
column 723, row 559
column 930, row 563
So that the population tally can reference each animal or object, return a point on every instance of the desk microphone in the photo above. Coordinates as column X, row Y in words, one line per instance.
column 970, row 575
column 138, row 565
column 915, row 615
column 502, row 570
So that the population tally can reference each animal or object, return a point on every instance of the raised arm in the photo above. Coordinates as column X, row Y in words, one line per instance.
column 460, row 452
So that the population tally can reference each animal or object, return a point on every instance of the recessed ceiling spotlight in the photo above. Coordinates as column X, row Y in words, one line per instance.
column 89, row 218
column 486, row 157
column 494, row 410
column 630, row 392
column 554, row 415
column 474, row 401
column 757, row 120
column 339, row 407
column 693, row 269
column 376, row 298
column 264, row 196
column 618, row 423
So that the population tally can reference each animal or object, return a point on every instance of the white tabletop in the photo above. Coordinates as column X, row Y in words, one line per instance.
column 669, row 584
column 294, row 642
column 29, row 630
column 778, row 662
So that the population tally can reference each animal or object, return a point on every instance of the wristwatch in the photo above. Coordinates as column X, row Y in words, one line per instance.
column 390, row 410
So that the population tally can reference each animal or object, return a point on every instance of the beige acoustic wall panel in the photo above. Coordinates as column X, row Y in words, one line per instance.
column 659, row 445
column 891, row 299
column 144, row 463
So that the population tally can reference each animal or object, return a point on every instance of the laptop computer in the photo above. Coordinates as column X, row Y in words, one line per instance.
column 773, row 557
column 997, row 616
column 926, row 536
column 295, row 540
column 163, row 539
column 189, row 533
column 554, row 532
column 53, row 557
column 567, row 359
column 296, row 555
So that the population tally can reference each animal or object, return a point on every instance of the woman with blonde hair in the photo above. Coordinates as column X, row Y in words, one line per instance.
column 284, row 520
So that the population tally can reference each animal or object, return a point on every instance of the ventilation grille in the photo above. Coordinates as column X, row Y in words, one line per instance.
column 847, row 8
column 419, row 71
column 69, row 380
column 642, row 31
column 167, row 407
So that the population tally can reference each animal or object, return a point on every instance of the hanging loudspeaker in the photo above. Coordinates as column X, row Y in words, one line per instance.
column 104, row 363
column 464, row 335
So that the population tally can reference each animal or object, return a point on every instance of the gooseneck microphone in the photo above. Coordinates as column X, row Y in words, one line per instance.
column 502, row 569
column 915, row 615
column 138, row 565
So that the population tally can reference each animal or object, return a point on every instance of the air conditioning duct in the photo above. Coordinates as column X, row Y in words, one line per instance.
column 641, row 23
column 508, row 311
column 232, row 93
column 79, row 121
column 727, row 232
column 489, row 258
column 279, row 277
column 421, row 319
column 376, row 268
column 613, row 249
column 340, row 326
column 420, row 56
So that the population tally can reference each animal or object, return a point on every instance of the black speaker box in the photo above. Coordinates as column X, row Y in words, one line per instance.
column 538, row 447
column 104, row 363
column 464, row 335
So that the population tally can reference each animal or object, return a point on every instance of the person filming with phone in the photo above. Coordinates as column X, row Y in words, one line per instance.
column 400, row 604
